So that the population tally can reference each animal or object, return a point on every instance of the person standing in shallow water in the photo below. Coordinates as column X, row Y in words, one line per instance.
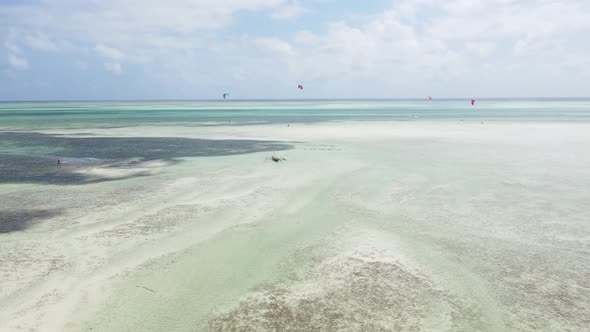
column 59, row 162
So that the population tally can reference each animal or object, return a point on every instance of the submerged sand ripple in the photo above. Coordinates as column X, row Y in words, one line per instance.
column 360, row 292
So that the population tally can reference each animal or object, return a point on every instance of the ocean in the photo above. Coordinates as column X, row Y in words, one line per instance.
column 384, row 215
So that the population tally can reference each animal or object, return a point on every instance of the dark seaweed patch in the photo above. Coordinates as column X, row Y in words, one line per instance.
column 13, row 221
column 81, row 152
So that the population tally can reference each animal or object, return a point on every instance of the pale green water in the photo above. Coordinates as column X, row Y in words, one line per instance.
column 371, row 224
column 82, row 114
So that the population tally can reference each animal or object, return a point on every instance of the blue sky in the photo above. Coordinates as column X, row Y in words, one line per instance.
column 198, row 49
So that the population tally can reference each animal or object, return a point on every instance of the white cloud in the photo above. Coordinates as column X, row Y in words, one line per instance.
column 110, row 21
column 109, row 52
column 11, row 46
column 445, row 46
column 288, row 11
column 275, row 45
column 482, row 49
column 113, row 67
column 17, row 62
column 40, row 42
column 305, row 37
column 140, row 31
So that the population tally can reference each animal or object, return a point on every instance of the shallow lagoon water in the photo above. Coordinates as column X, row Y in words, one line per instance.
column 122, row 114
column 380, row 224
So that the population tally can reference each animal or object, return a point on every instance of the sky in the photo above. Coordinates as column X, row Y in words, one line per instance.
column 259, row 49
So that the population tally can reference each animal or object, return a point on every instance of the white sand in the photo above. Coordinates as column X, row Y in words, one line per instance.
column 375, row 226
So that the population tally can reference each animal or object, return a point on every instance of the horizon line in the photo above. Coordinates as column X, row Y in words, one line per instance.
column 295, row 100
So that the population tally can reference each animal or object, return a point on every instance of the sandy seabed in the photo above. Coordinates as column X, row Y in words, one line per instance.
column 368, row 226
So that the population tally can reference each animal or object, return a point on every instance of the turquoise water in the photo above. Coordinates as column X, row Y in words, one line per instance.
column 48, row 115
